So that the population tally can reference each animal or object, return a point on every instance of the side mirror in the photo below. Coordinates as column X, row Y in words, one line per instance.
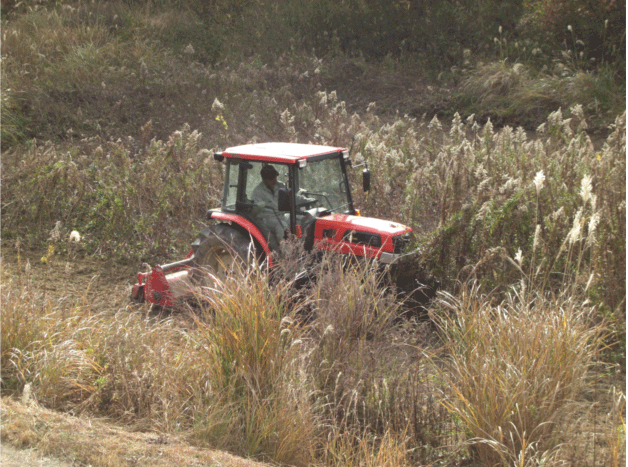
column 284, row 200
column 366, row 180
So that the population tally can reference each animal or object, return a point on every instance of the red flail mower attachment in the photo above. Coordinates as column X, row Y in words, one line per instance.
column 165, row 289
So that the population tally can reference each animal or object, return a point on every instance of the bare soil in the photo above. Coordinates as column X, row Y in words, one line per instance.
column 69, row 277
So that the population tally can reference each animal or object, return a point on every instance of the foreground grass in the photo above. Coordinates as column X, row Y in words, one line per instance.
column 240, row 381
column 514, row 370
column 352, row 385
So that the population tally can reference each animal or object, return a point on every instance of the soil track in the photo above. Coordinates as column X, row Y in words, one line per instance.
column 106, row 285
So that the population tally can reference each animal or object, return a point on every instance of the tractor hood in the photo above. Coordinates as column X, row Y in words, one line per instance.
column 363, row 236
column 367, row 224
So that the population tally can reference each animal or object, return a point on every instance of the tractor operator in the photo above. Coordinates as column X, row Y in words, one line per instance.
column 274, row 223
column 266, row 198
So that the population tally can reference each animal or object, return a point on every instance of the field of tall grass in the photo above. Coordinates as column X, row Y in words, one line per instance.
column 330, row 375
column 108, row 129
column 525, row 231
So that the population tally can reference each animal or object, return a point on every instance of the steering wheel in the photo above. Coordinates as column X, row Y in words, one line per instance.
column 342, row 186
column 308, row 203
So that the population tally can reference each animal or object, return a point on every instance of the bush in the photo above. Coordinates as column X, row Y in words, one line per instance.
column 597, row 30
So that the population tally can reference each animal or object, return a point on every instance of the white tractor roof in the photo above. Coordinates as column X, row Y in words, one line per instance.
column 279, row 152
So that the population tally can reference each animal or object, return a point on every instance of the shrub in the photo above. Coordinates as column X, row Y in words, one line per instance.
column 595, row 29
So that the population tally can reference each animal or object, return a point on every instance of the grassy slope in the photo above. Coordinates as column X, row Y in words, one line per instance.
column 106, row 69
column 93, row 441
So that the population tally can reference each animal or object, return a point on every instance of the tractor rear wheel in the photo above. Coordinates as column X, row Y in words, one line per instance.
column 221, row 249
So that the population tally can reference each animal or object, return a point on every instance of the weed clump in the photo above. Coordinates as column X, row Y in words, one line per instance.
column 514, row 371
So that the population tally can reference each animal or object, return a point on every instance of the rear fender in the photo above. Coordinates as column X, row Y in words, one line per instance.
column 246, row 225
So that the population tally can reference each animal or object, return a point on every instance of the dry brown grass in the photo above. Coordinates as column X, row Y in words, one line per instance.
column 358, row 379
column 243, row 372
column 95, row 441
column 514, row 370
column 332, row 389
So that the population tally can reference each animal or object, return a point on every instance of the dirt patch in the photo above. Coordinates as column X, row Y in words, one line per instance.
column 66, row 278
column 395, row 90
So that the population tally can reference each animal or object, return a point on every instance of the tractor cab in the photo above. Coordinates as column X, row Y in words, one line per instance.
column 312, row 201
column 310, row 182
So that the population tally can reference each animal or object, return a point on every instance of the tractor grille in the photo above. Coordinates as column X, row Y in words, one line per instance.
column 401, row 243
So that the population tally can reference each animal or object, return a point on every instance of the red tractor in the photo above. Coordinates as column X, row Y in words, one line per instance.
column 271, row 190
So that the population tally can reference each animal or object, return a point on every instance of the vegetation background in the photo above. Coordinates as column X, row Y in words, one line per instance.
column 495, row 129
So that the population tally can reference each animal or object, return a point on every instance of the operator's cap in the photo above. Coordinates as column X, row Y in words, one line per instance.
column 268, row 172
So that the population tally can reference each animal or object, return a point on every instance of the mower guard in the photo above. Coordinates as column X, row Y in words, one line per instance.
column 165, row 289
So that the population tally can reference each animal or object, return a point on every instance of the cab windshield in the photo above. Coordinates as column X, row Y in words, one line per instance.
column 324, row 181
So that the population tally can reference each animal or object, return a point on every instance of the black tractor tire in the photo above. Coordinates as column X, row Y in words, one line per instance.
column 220, row 250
